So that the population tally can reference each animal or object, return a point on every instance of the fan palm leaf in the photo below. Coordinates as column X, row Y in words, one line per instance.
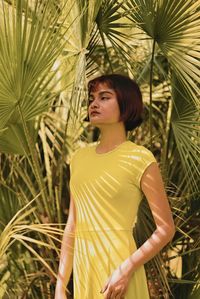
column 31, row 39
column 110, row 22
column 175, row 27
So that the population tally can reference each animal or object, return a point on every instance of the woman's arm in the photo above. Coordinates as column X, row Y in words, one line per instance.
column 153, row 188
column 67, row 253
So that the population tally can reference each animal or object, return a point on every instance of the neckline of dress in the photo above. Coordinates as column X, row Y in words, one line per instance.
column 111, row 151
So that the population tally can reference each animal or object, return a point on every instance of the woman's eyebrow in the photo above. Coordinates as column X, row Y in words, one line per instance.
column 105, row 91
column 101, row 92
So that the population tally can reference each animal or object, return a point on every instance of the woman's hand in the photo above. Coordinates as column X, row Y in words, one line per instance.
column 117, row 284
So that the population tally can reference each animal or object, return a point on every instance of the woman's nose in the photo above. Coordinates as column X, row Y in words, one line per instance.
column 94, row 104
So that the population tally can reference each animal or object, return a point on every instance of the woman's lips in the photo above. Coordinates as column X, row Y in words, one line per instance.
column 94, row 113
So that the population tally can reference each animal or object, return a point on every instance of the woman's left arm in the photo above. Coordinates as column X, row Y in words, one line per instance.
column 153, row 187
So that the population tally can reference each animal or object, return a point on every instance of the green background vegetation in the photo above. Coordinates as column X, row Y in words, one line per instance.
column 48, row 52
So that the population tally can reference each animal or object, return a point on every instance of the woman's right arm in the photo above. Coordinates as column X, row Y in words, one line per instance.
column 67, row 253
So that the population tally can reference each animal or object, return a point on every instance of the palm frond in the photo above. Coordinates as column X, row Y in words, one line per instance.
column 185, row 125
column 30, row 42
column 110, row 21
column 175, row 26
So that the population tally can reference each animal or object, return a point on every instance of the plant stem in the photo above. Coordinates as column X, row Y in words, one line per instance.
column 150, row 95
column 168, row 131
column 105, row 47
column 36, row 166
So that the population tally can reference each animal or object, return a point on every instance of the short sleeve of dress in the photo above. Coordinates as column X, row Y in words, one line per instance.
column 142, row 159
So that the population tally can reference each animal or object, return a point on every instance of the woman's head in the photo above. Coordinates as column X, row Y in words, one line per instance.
column 128, row 96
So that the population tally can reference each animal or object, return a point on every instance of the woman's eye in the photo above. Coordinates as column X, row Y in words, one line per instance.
column 104, row 98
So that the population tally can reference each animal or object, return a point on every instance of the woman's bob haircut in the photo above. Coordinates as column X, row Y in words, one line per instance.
column 129, row 97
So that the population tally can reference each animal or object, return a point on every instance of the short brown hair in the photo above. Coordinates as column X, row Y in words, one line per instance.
column 129, row 97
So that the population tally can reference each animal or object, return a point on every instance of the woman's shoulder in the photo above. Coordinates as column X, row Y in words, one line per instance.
column 85, row 146
column 139, row 151
column 82, row 148
column 137, row 147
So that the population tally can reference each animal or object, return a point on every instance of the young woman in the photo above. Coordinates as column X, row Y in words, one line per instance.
column 106, row 185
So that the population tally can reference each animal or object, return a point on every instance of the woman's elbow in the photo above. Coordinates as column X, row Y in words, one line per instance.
column 171, row 230
column 167, row 233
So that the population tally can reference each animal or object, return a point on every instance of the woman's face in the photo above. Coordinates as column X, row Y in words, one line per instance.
column 103, row 106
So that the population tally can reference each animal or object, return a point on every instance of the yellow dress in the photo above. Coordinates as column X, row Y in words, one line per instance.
column 106, row 192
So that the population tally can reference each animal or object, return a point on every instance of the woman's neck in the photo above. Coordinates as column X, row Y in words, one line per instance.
column 111, row 136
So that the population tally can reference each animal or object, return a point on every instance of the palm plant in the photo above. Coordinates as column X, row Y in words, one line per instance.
column 48, row 51
column 31, row 39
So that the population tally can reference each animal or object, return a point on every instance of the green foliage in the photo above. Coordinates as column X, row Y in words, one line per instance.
column 48, row 51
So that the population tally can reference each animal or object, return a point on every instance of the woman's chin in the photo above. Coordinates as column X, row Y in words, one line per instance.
column 95, row 123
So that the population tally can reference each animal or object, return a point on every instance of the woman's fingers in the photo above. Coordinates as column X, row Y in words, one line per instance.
column 111, row 294
column 119, row 296
column 108, row 294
